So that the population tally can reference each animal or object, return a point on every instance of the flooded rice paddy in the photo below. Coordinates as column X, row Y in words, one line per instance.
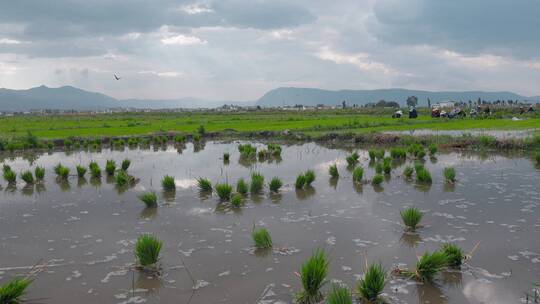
column 84, row 230
column 499, row 134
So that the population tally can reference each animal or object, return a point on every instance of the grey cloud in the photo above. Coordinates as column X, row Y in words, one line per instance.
column 508, row 28
column 74, row 18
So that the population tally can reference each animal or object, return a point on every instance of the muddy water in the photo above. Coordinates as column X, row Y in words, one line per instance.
column 499, row 134
column 85, row 230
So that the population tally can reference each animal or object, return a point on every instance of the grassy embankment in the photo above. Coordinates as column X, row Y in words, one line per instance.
column 312, row 123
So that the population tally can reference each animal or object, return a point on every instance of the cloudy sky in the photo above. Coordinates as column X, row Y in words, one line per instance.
column 239, row 49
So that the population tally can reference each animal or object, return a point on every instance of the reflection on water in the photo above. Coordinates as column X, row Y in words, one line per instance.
column 81, row 182
column 410, row 239
column 378, row 188
column 276, row 197
column 28, row 190
column 305, row 193
column 149, row 213
column 63, row 184
column 333, row 182
column 452, row 278
column 422, row 187
column 95, row 181
column 149, row 284
column 90, row 230
column 169, row 195
column 358, row 187
column 449, row 187
column 430, row 293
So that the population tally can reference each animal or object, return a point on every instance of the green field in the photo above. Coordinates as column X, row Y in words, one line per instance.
column 307, row 122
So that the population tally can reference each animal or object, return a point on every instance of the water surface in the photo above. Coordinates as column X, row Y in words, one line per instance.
column 84, row 230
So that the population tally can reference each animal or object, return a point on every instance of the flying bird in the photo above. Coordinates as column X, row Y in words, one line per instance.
column 116, row 77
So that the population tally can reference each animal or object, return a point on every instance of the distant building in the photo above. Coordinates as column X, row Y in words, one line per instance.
column 445, row 104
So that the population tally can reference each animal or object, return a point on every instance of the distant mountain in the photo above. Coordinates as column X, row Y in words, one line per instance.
column 63, row 98
column 71, row 98
column 308, row 96
column 188, row 102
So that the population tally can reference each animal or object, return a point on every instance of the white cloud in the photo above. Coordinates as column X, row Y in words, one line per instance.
column 7, row 69
column 170, row 37
column 9, row 41
column 183, row 40
column 196, row 9
column 132, row 36
column 360, row 60
column 162, row 74
column 478, row 61
column 282, row 35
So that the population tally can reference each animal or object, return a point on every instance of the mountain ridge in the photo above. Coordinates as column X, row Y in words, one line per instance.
column 314, row 96
column 72, row 98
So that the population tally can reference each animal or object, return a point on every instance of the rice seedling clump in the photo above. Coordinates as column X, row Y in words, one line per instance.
column 372, row 284
column 449, row 174
column 408, row 171
column 275, row 184
column 274, row 149
column 378, row 168
column 224, row 191
column 236, row 200
column 263, row 154
column 226, row 157
column 10, row 176
column 397, row 153
column 63, row 172
column 262, row 238
column 257, row 182
column 27, row 177
column 168, row 183
column 379, row 154
column 81, row 171
column 12, row 291
column 423, row 176
column 122, row 178
column 432, row 149
column 418, row 166
column 352, row 159
column 537, row 158
column 430, row 264
column 377, row 179
column 110, row 167
column 147, row 249
column 454, row 254
column 39, row 172
column 333, row 171
column 125, row 164
column 242, row 186
column 204, row 184
column 372, row 154
column 247, row 151
column 300, row 181
column 358, row 174
column 414, row 149
column 339, row 295
column 310, row 177
column 313, row 276
column 411, row 217
column 95, row 171
column 387, row 165
column 57, row 168
column 149, row 199
column 180, row 138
